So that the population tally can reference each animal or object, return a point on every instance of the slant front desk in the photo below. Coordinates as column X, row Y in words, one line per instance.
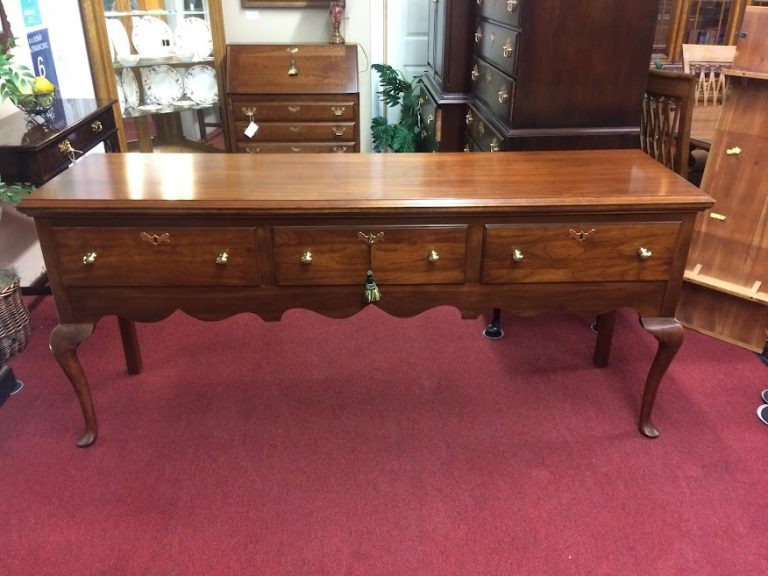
column 140, row 236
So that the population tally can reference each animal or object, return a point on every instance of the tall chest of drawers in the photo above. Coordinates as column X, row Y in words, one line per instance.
column 293, row 98
column 445, row 85
column 558, row 74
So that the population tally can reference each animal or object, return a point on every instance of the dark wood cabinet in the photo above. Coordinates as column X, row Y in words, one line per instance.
column 445, row 87
column 558, row 74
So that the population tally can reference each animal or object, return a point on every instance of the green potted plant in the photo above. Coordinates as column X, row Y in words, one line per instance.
column 397, row 91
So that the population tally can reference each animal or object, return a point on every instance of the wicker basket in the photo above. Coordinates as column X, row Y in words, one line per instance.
column 15, row 327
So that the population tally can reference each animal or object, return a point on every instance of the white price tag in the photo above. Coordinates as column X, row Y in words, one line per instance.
column 251, row 129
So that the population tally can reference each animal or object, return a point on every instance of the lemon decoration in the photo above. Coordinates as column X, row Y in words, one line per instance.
column 42, row 85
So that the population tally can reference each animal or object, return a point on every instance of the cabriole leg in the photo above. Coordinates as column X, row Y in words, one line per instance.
column 669, row 333
column 64, row 341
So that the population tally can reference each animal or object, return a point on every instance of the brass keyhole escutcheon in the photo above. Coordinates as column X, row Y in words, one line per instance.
column 155, row 239
column 581, row 235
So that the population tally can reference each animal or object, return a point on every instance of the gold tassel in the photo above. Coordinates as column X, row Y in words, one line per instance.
column 371, row 292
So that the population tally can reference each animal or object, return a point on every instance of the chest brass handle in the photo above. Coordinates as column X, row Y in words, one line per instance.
column 507, row 50
column 468, row 118
column 644, row 253
column 433, row 256
column 517, row 255
column 89, row 258
column 338, row 130
column 249, row 112
column 96, row 126
column 494, row 146
column 222, row 258
column 306, row 257
column 512, row 5
column 338, row 110
column 339, row 149
column 475, row 73
column 65, row 147
column 478, row 34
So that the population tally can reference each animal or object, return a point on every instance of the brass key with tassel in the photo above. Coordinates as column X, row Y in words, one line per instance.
column 371, row 292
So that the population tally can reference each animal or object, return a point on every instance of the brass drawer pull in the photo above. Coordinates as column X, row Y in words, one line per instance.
column 222, row 258
column 433, row 256
column 517, row 255
column 338, row 130
column 295, row 129
column 468, row 118
column 249, row 111
column 338, row 110
column 478, row 34
column 512, row 5
column 155, row 240
column 475, row 73
column 89, row 258
column 494, row 146
column 339, row 149
column 295, row 148
column 503, row 95
column 735, row 151
column 65, row 147
column 306, row 257
column 96, row 126
column 252, row 150
column 430, row 119
column 644, row 253
column 294, row 109
column 508, row 49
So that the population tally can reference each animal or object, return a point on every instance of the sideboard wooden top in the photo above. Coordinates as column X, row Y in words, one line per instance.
column 510, row 182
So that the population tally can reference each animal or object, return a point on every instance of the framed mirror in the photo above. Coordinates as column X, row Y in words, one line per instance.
column 284, row 3
column 5, row 28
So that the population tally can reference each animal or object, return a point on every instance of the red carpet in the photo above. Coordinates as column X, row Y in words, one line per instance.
column 381, row 446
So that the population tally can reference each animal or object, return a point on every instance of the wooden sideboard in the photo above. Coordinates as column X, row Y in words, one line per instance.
column 526, row 232
column 293, row 98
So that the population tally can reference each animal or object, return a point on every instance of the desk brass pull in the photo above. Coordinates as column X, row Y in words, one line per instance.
column 222, row 258
column 581, row 235
column 339, row 149
column 338, row 110
column 433, row 256
column 89, row 258
column 644, row 253
column 517, row 255
column 96, row 126
column 338, row 130
column 65, row 147
column 156, row 240
column 306, row 257
column 249, row 112
column 294, row 109
column 294, row 129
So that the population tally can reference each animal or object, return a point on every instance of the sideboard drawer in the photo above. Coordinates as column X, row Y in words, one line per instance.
column 339, row 256
column 301, row 132
column 157, row 256
column 295, row 147
column 579, row 252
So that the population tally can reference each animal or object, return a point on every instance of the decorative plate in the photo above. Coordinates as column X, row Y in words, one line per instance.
column 193, row 36
column 200, row 84
column 120, row 93
column 151, row 36
column 118, row 37
column 162, row 84
column 130, row 88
